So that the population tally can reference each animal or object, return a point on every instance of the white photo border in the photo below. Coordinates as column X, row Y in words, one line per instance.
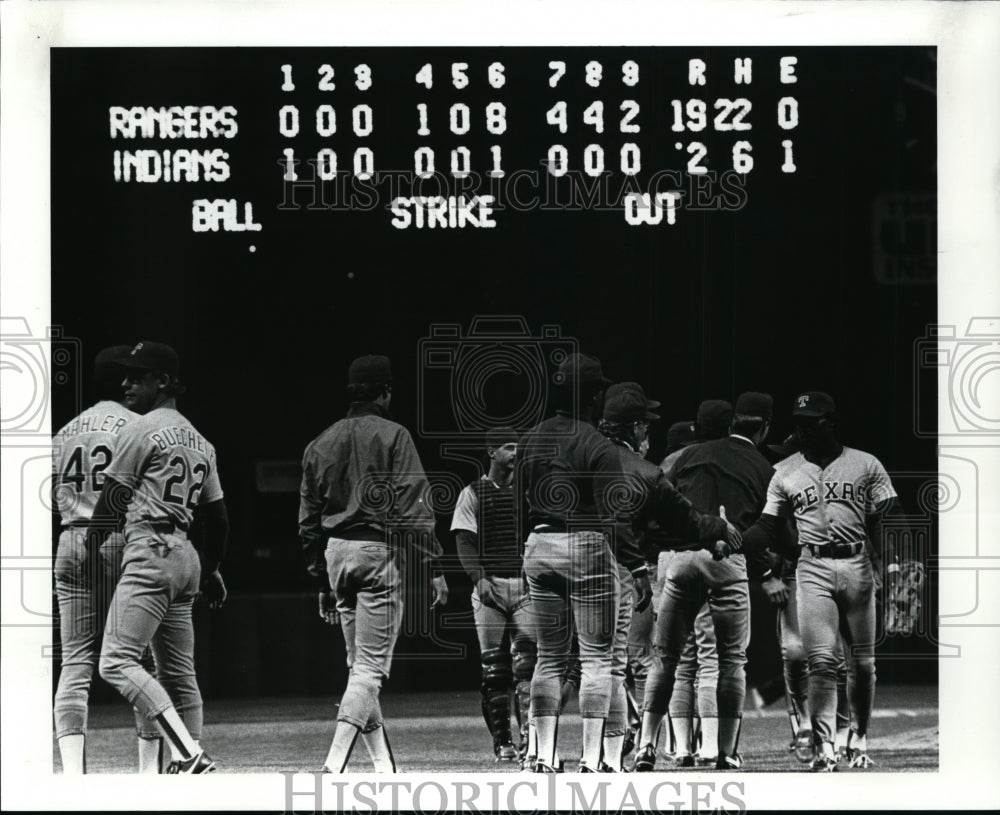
column 967, row 37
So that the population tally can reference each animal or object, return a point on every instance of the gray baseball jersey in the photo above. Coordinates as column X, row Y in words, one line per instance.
column 829, row 504
column 170, row 465
column 81, row 453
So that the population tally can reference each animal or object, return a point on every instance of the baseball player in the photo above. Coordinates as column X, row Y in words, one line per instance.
column 837, row 495
column 486, row 533
column 733, row 475
column 81, row 453
column 693, row 712
column 362, row 514
column 627, row 414
column 640, row 636
column 578, row 487
column 794, row 660
column 163, row 474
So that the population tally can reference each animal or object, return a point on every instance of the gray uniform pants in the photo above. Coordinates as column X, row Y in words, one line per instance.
column 514, row 614
column 796, row 662
column 837, row 596
column 573, row 580
column 78, row 632
column 618, row 711
column 367, row 580
column 689, row 579
column 640, row 638
column 152, row 606
column 697, row 675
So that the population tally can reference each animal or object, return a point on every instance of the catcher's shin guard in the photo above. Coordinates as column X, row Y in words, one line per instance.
column 496, row 687
column 525, row 656
column 522, row 707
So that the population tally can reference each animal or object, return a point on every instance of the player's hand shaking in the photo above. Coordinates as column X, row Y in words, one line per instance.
column 776, row 591
column 724, row 548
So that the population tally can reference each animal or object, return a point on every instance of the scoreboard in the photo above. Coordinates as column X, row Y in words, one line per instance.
column 702, row 219
column 469, row 138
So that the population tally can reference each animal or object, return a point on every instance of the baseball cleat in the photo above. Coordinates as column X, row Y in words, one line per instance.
column 704, row 760
column 686, row 760
column 602, row 767
column 859, row 759
column 823, row 764
column 199, row 763
column 542, row 767
column 857, row 752
column 805, row 750
column 733, row 762
column 631, row 737
column 505, row 751
column 645, row 760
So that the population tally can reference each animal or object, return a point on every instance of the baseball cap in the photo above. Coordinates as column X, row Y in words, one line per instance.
column 627, row 402
column 681, row 434
column 813, row 403
column 370, row 370
column 652, row 404
column 714, row 418
column 581, row 369
column 786, row 448
column 499, row 436
column 752, row 403
column 106, row 364
column 151, row 356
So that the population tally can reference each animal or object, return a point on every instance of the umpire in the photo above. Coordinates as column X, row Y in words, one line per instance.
column 363, row 494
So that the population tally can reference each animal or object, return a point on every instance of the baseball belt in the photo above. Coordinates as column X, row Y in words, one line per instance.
column 836, row 550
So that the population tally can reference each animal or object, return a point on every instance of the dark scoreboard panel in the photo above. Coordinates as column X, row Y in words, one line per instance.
column 703, row 219
column 467, row 138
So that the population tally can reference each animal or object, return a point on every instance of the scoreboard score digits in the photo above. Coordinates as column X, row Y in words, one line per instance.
column 460, row 143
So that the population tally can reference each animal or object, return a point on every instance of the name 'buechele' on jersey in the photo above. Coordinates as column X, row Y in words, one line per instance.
column 171, row 467
column 829, row 505
column 81, row 453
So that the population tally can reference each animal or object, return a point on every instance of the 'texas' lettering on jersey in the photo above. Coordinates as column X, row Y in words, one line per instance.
column 833, row 492
column 167, row 437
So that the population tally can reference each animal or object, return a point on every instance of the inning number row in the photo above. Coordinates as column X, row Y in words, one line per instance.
column 495, row 73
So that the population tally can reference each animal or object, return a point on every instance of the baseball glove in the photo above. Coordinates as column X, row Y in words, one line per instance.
column 905, row 597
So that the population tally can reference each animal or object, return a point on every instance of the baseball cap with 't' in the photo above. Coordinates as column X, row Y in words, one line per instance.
column 152, row 356
column 813, row 403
